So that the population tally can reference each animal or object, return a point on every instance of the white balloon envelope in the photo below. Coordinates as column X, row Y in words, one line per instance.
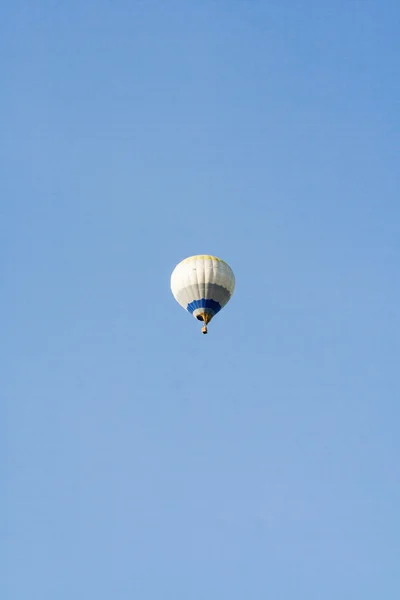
column 203, row 284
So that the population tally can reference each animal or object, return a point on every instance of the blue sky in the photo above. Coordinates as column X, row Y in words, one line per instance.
column 141, row 459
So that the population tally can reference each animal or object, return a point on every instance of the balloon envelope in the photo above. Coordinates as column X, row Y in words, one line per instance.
column 203, row 284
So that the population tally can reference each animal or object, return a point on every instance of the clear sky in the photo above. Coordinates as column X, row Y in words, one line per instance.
column 140, row 459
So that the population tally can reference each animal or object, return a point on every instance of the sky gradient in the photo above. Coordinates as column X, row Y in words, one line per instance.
column 141, row 459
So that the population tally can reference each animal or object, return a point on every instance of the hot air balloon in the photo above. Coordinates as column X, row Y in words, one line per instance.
column 203, row 284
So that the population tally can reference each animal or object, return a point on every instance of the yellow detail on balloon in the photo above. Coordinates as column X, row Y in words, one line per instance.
column 203, row 257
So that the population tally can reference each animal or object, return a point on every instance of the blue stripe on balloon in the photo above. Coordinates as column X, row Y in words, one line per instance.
column 204, row 303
